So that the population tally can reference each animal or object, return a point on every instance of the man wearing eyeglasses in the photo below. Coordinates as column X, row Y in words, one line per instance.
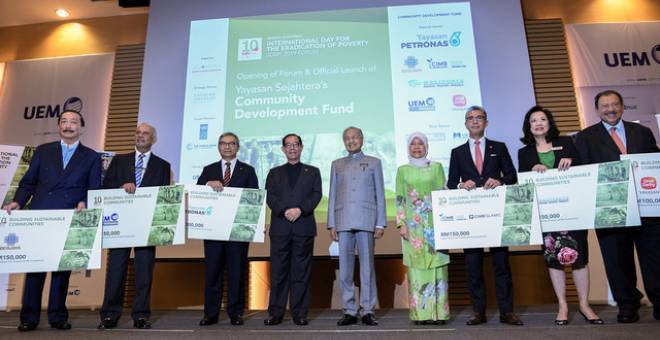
column 228, row 172
column 294, row 191
column 486, row 163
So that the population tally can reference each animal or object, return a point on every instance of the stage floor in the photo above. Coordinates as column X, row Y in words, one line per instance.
column 394, row 324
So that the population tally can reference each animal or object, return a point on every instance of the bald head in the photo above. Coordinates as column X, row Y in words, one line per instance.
column 145, row 137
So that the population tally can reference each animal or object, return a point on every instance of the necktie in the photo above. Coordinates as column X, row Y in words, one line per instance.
column 138, row 170
column 617, row 140
column 225, row 180
column 478, row 157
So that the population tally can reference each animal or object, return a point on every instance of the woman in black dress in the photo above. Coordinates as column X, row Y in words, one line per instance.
column 545, row 149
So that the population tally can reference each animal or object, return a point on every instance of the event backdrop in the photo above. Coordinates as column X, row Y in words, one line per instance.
column 32, row 94
column 621, row 56
column 35, row 92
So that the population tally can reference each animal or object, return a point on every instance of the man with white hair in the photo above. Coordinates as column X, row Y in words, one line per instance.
column 130, row 171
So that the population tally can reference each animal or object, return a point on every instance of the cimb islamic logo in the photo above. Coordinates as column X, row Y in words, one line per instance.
column 52, row 111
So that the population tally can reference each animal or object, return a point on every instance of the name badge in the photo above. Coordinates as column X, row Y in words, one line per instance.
column 557, row 148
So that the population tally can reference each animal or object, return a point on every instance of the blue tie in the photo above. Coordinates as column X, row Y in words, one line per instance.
column 138, row 170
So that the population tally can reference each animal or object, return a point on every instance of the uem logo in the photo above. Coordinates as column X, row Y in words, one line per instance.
column 52, row 111
column 434, row 65
column 421, row 105
column 627, row 59
column 111, row 220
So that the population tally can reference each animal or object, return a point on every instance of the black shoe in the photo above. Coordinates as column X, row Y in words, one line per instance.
column 208, row 320
column 27, row 326
column 656, row 314
column 61, row 325
column 142, row 323
column 627, row 318
column 369, row 320
column 597, row 321
column 511, row 319
column 236, row 320
column 273, row 320
column 347, row 320
column 477, row 319
column 439, row 322
column 561, row 322
column 107, row 323
column 301, row 321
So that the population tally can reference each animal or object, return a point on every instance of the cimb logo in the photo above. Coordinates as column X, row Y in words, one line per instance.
column 52, row 111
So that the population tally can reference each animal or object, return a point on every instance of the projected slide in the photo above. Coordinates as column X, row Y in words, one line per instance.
column 390, row 71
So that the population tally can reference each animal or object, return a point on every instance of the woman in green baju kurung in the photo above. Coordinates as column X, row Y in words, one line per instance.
column 427, row 268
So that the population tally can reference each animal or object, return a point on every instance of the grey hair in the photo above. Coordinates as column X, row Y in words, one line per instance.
column 475, row 108
column 225, row 134
column 152, row 128
column 353, row 128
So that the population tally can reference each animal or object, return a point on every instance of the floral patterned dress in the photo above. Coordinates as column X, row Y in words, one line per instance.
column 565, row 248
column 427, row 268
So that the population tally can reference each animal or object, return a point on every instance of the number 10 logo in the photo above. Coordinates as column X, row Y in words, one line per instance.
column 249, row 49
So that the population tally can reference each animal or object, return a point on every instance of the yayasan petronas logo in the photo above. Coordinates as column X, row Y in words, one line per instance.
column 11, row 239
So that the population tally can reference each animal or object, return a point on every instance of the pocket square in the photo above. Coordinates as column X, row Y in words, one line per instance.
column 493, row 155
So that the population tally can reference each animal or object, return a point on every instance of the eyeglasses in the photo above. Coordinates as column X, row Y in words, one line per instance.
column 292, row 145
column 230, row 144
column 478, row 118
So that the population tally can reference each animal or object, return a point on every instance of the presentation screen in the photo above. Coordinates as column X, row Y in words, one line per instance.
column 390, row 71
column 266, row 69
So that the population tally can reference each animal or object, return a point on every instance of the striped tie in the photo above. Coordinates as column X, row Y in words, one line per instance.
column 138, row 170
column 227, row 177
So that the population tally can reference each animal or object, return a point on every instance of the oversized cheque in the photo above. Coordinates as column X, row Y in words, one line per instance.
column 234, row 214
column 50, row 240
column 152, row 216
column 586, row 197
column 503, row 216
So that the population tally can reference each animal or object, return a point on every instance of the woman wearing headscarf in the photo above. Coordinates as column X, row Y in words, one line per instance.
column 427, row 268
column 546, row 149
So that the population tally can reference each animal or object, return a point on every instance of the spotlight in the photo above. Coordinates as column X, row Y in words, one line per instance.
column 62, row 13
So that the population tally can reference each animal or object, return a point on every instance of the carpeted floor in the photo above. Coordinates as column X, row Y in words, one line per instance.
column 394, row 324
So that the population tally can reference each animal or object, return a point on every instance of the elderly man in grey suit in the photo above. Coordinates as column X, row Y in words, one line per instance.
column 356, row 215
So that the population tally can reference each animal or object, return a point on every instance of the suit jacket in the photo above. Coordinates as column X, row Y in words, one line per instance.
column 565, row 148
column 357, row 195
column 244, row 175
column 595, row 145
column 53, row 187
column 306, row 195
column 497, row 165
column 122, row 170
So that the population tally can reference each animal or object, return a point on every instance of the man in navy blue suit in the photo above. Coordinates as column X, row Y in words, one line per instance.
column 59, row 176
column 486, row 163
column 228, row 172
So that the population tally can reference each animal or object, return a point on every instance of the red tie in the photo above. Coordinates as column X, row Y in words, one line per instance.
column 617, row 140
column 478, row 157
column 227, row 177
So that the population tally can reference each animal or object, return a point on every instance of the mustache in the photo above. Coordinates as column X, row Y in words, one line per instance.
column 610, row 113
column 67, row 130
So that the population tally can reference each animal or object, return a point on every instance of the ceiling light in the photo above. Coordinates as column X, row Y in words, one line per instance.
column 62, row 13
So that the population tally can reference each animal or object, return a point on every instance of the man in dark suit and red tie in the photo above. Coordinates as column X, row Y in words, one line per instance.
column 294, row 191
column 603, row 142
column 141, row 168
column 58, row 177
column 218, row 255
column 486, row 163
